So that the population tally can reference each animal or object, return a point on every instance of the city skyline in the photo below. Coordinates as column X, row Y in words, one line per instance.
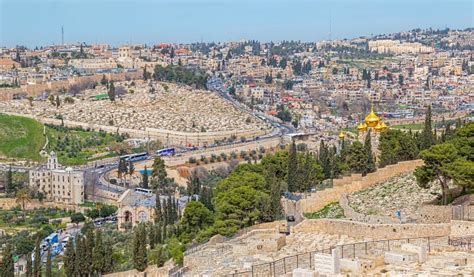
column 124, row 22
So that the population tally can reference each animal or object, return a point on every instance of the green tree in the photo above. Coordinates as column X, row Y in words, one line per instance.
column 158, row 209
column 70, row 259
column 370, row 164
column 98, row 255
column 111, row 91
column 427, row 138
column 145, row 179
column 10, row 187
column 176, row 250
column 29, row 266
column 275, row 209
column 196, row 217
column 292, row 176
column 158, row 173
column 37, row 258
column 357, row 158
column 139, row 254
column 7, row 265
column 122, row 168
column 438, row 160
column 395, row 146
column 81, row 263
column 48, row 272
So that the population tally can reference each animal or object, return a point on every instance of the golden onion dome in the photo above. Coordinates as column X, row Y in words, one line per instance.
column 384, row 126
column 378, row 127
column 341, row 135
column 372, row 119
column 362, row 127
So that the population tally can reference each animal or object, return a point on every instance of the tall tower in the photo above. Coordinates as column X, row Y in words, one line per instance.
column 62, row 35
column 52, row 161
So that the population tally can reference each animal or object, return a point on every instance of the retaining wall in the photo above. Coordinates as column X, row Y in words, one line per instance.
column 349, row 212
column 372, row 231
column 317, row 200
column 462, row 228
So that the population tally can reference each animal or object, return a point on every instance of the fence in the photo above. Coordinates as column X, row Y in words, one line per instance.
column 306, row 260
column 463, row 212
column 177, row 271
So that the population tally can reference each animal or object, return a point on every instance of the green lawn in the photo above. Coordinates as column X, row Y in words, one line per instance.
column 20, row 137
column 418, row 126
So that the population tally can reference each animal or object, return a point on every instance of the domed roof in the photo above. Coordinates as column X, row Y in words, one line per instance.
column 384, row 126
column 362, row 127
column 372, row 119
column 379, row 127
column 342, row 135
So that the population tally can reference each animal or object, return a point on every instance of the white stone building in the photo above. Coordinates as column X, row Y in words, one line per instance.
column 59, row 184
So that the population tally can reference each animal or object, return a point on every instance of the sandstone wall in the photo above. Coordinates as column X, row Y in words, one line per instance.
column 151, row 271
column 317, row 200
column 462, row 228
column 10, row 203
column 372, row 231
column 350, row 213
column 34, row 90
column 435, row 213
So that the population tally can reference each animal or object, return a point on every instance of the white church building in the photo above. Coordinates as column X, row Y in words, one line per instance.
column 58, row 184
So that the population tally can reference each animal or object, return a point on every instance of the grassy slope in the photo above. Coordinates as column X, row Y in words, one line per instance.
column 20, row 137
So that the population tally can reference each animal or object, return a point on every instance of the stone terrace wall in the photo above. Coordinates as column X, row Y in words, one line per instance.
column 435, row 214
column 316, row 201
column 167, row 136
column 462, row 228
column 350, row 213
column 372, row 231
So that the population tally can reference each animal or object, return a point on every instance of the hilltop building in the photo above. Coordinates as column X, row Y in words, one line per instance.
column 58, row 184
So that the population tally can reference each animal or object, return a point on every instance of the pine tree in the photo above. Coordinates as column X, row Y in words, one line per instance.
column 427, row 139
column 7, row 265
column 29, row 266
column 37, row 260
column 70, row 259
column 292, row 168
column 48, row 264
column 145, row 179
column 370, row 165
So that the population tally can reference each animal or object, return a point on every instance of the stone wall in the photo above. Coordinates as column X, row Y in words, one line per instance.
column 462, row 228
column 10, row 203
column 435, row 214
column 34, row 90
column 317, row 200
column 372, row 231
column 350, row 213
column 168, row 137
column 151, row 270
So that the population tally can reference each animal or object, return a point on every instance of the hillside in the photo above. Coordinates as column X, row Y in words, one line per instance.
column 20, row 137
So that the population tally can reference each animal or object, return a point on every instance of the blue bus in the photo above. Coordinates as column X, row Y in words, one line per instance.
column 135, row 157
column 165, row 152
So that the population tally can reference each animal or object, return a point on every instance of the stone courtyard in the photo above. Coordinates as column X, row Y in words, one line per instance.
column 169, row 106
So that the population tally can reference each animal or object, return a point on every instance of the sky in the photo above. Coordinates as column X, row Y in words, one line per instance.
column 38, row 22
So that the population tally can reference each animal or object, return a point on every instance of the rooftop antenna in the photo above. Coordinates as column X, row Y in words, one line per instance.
column 62, row 35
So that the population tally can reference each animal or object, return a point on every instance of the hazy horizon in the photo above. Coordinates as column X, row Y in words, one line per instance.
column 38, row 23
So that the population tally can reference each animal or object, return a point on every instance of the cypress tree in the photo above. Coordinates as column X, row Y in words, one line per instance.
column 81, row 263
column 151, row 236
column 427, row 139
column 158, row 235
column 158, row 209
column 145, row 179
column 324, row 159
column 7, row 265
column 70, row 259
column 29, row 266
column 160, row 257
column 292, row 168
column 9, row 186
column 89, row 247
column 108, row 260
column 37, row 261
column 140, row 260
column 48, row 263
column 370, row 164
column 98, row 255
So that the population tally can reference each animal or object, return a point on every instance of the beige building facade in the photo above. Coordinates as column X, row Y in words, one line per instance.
column 58, row 184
